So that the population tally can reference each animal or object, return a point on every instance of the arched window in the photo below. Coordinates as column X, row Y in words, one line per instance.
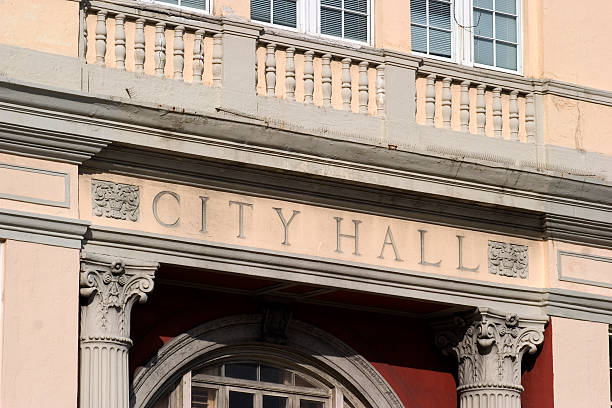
column 228, row 364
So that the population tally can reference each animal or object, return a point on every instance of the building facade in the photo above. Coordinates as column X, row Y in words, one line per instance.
column 305, row 203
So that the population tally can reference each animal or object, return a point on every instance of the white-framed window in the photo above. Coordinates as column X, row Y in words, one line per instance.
column 200, row 5
column 350, row 20
column 484, row 33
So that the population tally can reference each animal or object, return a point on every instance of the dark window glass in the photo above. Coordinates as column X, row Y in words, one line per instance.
column 242, row 371
column 240, row 400
column 310, row 404
column 270, row 401
column 274, row 375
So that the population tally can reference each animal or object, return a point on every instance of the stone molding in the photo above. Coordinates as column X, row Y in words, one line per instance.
column 115, row 200
column 489, row 347
column 42, row 229
column 307, row 346
column 506, row 259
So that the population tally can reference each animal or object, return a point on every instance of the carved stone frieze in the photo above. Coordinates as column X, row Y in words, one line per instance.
column 115, row 200
column 489, row 347
column 507, row 259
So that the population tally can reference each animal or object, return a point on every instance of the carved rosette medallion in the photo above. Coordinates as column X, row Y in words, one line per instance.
column 115, row 200
column 489, row 347
column 507, row 259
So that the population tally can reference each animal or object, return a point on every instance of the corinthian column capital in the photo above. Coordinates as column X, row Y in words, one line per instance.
column 489, row 347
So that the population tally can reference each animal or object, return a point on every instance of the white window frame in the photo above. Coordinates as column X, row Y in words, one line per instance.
column 309, row 22
column 462, row 46
column 208, row 11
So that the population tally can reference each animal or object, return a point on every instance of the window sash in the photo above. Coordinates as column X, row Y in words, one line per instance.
column 498, row 44
column 188, row 4
column 344, row 12
column 444, row 50
column 265, row 11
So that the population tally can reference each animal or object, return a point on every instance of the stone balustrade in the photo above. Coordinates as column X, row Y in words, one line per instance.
column 318, row 77
column 476, row 107
column 180, row 49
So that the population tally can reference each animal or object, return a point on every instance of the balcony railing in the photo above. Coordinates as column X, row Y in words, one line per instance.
column 387, row 86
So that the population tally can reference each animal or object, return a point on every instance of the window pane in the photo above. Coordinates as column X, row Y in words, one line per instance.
column 274, row 375
column 356, row 5
column 418, row 12
column 202, row 398
column 211, row 370
column 488, row 4
column 285, row 13
column 506, row 6
column 310, row 404
column 331, row 22
column 260, row 10
column 483, row 22
column 355, row 26
column 439, row 15
column 240, row 400
column 505, row 55
column 169, row 1
column 419, row 39
column 440, row 43
column 270, row 401
column 483, row 51
column 505, row 28
column 243, row 371
column 333, row 3
column 301, row 382
column 198, row 4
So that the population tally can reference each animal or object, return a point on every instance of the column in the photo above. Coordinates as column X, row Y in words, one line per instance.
column 489, row 347
column 109, row 287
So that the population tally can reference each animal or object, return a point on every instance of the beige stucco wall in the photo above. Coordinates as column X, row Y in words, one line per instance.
column 576, row 42
column 49, row 25
column 40, row 333
column 580, row 361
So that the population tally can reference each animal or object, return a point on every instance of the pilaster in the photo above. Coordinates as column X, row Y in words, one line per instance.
column 109, row 287
column 489, row 347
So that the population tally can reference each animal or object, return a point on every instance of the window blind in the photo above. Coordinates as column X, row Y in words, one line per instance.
column 345, row 19
column 496, row 33
column 431, row 27
column 196, row 4
column 281, row 12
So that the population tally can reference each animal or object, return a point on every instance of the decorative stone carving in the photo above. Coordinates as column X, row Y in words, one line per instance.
column 109, row 288
column 489, row 347
column 507, row 259
column 115, row 200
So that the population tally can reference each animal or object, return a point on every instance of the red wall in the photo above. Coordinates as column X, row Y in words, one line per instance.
column 400, row 348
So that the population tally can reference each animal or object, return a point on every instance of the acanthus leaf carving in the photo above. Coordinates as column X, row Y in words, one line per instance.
column 507, row 259
column 115, row 200
column 489, row 347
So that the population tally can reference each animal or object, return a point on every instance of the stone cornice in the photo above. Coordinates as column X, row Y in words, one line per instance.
column 42, row 229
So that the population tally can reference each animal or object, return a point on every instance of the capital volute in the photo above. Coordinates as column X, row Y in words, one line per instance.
column 489, row 346
column 109, row 287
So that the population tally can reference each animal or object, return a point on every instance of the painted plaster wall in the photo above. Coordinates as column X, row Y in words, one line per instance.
column 40, row 344
column 49, row 25
column 580, row 360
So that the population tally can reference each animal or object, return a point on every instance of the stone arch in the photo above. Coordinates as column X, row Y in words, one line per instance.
column 312, row 349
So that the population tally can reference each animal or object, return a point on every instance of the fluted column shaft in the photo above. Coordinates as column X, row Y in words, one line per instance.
column 489, row 347
column 109, row 288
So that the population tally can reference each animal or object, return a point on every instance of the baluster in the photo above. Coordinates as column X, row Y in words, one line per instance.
column 481, row 109
column 308, row 77
column 179, row 52
column 497, row 113
column 346, row 84
column 514, row 115
column 446, row 103
column 530, row 126
column 363, row 87
column 198, row 56
column 380, row 89
column 85, row 34
column 270, row 69
column 101, row 37
column 120, row 41
column 160, row 49
column 217, row 59
column 326, row 80
column 290, row 74
column 430, row 100
column 464, row 107
column 139, row 46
